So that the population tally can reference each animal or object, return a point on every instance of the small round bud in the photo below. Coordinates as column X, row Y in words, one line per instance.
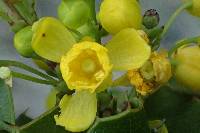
column 151, row 19
column 5, row 72
column 22, row 42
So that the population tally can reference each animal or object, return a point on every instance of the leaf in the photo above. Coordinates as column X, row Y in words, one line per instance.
column 180, row 111
column 130, row 121
column 7, row 113
column 163, row 103
column 43, row 124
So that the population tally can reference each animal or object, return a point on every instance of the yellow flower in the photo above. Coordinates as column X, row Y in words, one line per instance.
column 85, row 66
column 155, row 72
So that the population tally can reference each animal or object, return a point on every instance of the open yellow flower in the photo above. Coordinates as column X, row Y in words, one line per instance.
column 85, row 66
column 155, row 72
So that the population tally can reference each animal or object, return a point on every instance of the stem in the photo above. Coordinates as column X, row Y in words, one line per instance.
column 33, row 79
column 174, row 15
column 183, row 42
column 25, row 67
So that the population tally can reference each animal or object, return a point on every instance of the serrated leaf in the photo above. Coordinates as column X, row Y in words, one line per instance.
column 7, row 113
column 44, row 124
column 130, row 121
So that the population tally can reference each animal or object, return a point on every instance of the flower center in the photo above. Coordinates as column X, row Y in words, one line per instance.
column 88, row 65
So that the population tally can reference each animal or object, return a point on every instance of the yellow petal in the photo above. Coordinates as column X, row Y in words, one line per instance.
column 127, row 50
column 116, row 15
column 51, row 39
column 85, row 66
column 77, row 112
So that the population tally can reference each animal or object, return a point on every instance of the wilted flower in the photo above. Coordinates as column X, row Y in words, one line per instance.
column 155, row 72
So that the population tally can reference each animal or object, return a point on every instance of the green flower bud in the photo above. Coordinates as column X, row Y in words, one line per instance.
column 187, row 71
column 116, row 15
column 151, row 19
column 195, row 8
column 73, row 13
column 22, row 42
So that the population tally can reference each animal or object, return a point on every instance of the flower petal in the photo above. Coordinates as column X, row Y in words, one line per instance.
column 127, row 50
column 77, row 112
column 51, row 39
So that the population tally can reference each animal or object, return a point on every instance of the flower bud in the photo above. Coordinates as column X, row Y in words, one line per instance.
column 187, row 71
column 116, row 15
column 73, row 13
column 151, row 19
column 6, row 75
column 195, row 8
column 22, row 42
column 155, row 72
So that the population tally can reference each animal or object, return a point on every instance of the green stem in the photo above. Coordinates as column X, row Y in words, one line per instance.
column 183, row 42
column 25, row 67
column 33, row 79
column 174, row 15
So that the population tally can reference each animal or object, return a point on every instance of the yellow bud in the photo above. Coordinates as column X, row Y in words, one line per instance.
column 187, row 71
column 195, row 9
column 116, row 15
column 85, row 66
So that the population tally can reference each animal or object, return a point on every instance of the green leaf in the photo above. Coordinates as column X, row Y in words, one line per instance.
column 164, row 103
column 43, row 124
column 7, row 113
column 130, row 121
column 180, row 111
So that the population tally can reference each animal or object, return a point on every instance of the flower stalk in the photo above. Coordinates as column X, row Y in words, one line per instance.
column 25, row 67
